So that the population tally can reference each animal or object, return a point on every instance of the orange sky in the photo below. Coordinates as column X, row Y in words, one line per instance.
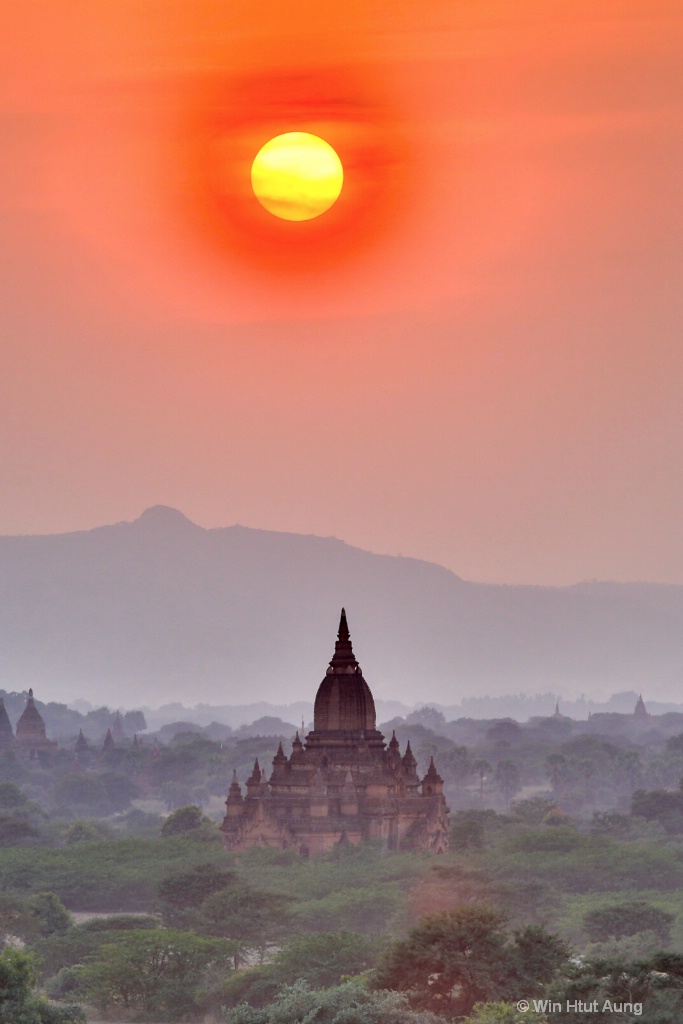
column 475, row 358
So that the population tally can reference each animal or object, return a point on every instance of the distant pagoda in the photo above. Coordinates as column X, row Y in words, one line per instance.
column 343, row 783
column 6, row 733
column 31, row 736
column 640, row 711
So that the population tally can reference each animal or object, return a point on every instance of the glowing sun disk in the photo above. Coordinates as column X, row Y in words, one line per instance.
column 297, row 176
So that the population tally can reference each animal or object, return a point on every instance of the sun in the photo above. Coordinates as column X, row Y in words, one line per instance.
column 297, row 176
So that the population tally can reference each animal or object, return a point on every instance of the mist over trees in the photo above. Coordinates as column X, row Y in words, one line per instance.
column 566, row 840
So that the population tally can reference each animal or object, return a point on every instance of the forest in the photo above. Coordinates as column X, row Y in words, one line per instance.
column 563, row 885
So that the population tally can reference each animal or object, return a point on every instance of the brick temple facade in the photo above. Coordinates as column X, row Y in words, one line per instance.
column 342, row 783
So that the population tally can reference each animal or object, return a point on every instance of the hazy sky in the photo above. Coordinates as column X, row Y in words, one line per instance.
column 475, row 358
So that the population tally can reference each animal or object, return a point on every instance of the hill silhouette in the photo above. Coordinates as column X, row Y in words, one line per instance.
column 161, row 609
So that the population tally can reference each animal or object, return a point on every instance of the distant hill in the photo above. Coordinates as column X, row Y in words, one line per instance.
column 162, row 610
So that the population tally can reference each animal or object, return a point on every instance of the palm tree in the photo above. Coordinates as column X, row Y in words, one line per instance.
column 481, row 767
column 507, row 779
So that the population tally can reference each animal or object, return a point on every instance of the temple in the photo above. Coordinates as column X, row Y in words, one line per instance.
column 31, row 736
column 640, row 711
column 343, row 783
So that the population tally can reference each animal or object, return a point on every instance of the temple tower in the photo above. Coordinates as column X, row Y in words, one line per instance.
column 31, row 736
column 344, row 784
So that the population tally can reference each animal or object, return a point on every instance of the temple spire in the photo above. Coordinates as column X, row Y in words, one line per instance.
column 343, row 656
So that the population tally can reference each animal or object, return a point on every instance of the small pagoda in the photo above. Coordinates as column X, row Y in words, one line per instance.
column 30, row 734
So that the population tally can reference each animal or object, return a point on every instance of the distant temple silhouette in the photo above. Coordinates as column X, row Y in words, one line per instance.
column 343, row 783
column 31, row 736
column 640, row 711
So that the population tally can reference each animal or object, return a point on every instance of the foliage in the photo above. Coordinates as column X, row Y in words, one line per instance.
column 368, row 909
column 623, row 919
column 503, row 1013
column 159, row 972
column 557, row 840
column 573, row 863
column 97, row 794
column 60, row 951
column 463, row 956
column 50, row 914
column 182, row 893
column 102, row 876
column 84, row 832
column 32, row 917
column 189, row 822
column 16, row 831
column 507, row 775
column 254, row 918
column 18, row 1004
column 660, row 805
column 630, row 947
column 534, row 810
column 322, row 960
column 467, row 830
column 350, row 1003
column 11, row 796
column 654, row 985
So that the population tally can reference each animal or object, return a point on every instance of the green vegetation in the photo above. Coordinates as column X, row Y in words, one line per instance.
column 464, row 956
column 503, row 1013
column 162, row 974
column 18, row 1004
column 564, row 881
column 350, row 1003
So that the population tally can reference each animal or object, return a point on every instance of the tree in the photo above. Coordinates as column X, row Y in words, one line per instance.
column 455, row 959
column 350, row 1003
column 429, row 717
column 159, row 972
column 557, row 768
column 16, row 831
column 254, row 918
column 33, row 917
column 97, row 795
column 507, row 780
column 467, row 830
column 11, row 797
column 623, row 919
column 652, row 987
column 18, row 1004
column 482, row 768
column 189, row 822
column 627, row 767
column 49, row 913
column 321, row 960
column 503, row 1013
column 507, row 731
column 134, row 721
column 364, row 908
column 455, row 765
column 659, row 805
column 183, row 893
column 534, row 810
column 85, row 832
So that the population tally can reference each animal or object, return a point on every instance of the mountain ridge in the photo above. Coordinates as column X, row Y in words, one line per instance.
column 162, row 607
